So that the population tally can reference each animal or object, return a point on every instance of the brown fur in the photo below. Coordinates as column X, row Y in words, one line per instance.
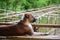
column 21, row 28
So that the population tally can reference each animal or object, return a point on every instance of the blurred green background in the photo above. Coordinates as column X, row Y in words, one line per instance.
column 17, row 5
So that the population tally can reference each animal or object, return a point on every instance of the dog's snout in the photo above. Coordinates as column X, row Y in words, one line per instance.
column 34, row 19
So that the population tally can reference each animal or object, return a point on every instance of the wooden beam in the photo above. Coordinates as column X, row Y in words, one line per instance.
column 35, row 37
column 47, row 25
column 7, row 23
column 37, row 25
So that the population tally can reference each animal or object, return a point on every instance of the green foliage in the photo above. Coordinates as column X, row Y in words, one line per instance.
column 17, row 5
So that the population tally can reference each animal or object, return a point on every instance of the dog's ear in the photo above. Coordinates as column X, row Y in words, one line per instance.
column 27, row 16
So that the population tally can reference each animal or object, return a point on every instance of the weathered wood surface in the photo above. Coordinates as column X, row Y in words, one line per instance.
column 39, row 37
column 49, row 37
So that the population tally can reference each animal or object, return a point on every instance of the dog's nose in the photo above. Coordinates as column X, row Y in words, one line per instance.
column 34, row 19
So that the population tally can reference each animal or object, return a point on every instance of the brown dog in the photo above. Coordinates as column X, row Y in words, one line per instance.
column 23, row 27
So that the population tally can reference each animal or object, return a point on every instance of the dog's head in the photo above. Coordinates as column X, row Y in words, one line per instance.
column 30, row 17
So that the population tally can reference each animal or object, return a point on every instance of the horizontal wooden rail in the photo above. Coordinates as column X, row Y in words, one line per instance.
column 35, row 37
column 47, row 25
column 6, row 23
column 37, row 25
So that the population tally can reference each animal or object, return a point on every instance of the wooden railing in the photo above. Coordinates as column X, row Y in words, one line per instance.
column 44, row 37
